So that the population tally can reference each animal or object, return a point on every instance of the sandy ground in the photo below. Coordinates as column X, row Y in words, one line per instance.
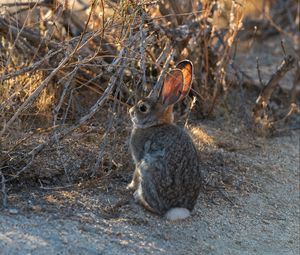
column 260, row 217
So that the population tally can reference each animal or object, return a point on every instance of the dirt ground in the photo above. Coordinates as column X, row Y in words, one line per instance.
column 259, row 216
column 251, row 205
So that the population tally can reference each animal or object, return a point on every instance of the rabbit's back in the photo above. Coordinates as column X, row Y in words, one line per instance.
column 169, row 166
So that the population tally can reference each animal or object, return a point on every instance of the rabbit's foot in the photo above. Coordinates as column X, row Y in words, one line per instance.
column 137, row 195
column 131, row 186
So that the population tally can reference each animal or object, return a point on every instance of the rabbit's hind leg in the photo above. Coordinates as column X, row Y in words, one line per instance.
column 146, row 193
column 150, row 194
column 139, row 198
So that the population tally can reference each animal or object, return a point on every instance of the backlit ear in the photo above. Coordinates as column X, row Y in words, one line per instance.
column 186, row 67
column 172, row 87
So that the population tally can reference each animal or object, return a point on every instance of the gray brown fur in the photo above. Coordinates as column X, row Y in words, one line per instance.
column 167, row 173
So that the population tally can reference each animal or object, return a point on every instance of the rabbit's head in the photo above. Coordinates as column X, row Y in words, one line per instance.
column 158, row 109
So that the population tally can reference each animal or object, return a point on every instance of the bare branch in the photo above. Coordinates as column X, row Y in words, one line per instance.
column 265, row 95
column 3, row 190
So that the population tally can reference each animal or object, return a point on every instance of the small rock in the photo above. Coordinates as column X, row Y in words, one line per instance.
column 13, row 211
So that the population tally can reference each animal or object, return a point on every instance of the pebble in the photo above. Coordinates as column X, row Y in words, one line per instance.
column 13, row 211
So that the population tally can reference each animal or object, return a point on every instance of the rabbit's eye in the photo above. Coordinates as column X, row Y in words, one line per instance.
column 143, row 108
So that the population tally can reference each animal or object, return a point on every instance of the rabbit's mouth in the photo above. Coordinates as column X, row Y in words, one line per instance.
column 132, row 113
column 145, row 123
column 137, row 123
column 133, row 116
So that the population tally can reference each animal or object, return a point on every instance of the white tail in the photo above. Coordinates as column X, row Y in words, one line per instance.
column 177, row 214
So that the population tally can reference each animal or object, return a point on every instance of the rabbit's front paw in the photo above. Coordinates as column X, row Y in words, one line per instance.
column 131, row 186
column 137, row 195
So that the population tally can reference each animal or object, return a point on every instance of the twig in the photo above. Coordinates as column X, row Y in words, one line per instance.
column 63, row 94
column 235, row 23
column 3, row 190
column 29, row 4
column 293, row 108
column 158, row 84
column 265, row 95
column 142, row 51
column 225, row 195
column 56, row 110
column 54, row 188
column 191, row 106
column 241, row 80
column 296, row 83
column 14, row 32
column 33, row 67
column 282, row 47
column 259, row 74
column 164, row 54
column 104, row 139
column 35, row 94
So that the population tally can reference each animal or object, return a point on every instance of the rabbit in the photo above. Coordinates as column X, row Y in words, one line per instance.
column 167, row 175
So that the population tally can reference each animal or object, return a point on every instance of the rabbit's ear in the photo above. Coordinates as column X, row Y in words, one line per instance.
column 172, row 87
column 186, row 67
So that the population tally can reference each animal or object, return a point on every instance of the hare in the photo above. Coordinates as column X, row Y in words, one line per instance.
column 167, row 174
